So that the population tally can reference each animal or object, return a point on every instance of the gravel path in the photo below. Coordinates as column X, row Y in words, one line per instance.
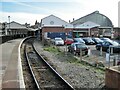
column 77, row 74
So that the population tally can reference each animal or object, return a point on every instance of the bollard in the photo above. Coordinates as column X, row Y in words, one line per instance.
column 108, row 59
column 65, row 51
column 111, row 50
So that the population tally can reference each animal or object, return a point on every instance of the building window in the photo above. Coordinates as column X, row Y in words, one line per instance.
column 51, row 22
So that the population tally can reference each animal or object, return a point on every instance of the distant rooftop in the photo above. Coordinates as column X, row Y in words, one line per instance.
column 95, row 17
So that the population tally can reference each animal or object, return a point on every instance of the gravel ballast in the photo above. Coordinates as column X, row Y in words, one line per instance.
column 77, row 74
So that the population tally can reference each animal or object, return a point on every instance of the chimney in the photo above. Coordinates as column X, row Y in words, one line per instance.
column 69, row 21
column 73, row 19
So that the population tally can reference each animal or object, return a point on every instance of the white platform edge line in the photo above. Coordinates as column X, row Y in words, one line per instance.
column 20, row 71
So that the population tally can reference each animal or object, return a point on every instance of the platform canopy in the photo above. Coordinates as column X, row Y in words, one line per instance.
column 15, row 25
column 31, row 29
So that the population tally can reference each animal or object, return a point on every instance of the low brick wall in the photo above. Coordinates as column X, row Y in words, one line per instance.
column 5, row 38
column 112, row 77
column 9, row 37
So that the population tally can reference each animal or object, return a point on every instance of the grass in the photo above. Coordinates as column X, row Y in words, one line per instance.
column 70, row 58
column 52, row 49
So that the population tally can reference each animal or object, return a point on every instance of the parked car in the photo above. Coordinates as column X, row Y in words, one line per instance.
column 118, row 63
column 79, row 40
column 68, row 41
column 58, row 41
column 105, row 39
column 106, row 44
column 75, row 48
column 97, row 40
column 88, row 41
column 117, row 41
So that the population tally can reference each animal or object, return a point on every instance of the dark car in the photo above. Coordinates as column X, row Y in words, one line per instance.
column 117, row 41
column 106, row 44
column 79, row 40
column 68, row 41
column 97, row 40
column 118, row 63
column 75, row 48
column 88, row 41
column 105, row 39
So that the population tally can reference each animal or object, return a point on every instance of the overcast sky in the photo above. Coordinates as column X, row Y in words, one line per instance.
column 29, row 11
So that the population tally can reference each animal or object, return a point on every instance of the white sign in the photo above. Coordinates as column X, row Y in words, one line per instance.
column 107, row 57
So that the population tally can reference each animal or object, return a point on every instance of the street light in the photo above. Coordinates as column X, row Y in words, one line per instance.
column 9, row 24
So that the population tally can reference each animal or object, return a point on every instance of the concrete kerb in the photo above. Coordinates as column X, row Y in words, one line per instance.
column 20, row 71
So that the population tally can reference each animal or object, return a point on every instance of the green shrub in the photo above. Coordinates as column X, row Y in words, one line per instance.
column 52, row 49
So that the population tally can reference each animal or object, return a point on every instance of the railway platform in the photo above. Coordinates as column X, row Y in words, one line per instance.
column 9, row 68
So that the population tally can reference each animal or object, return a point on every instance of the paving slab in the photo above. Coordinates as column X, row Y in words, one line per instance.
column 9, row 64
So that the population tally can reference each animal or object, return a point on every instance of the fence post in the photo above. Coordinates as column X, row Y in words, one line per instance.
column 89, row 52
column 80, row 54
column 100, row 51
column 109, row 57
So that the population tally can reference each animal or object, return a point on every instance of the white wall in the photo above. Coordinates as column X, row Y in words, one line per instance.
column 55, row 21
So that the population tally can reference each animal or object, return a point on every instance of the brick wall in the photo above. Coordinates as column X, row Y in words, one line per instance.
column 53, row 29
column 112, row 78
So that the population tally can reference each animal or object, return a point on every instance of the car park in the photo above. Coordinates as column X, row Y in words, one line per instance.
column 118, row 63
column 89, row 41
column 106, row 44
column 79, row 40
column 68, row 41
column 97, row 40
column 105, row 39
column 75, row 48
column 117, row 41
column 58, row 41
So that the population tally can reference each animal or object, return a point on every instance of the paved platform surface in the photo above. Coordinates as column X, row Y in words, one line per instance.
column 9, row 64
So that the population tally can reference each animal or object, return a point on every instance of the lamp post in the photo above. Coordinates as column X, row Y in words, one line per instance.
column 9, row 24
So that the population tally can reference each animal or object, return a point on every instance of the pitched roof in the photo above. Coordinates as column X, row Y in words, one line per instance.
column 87, row 24
column 52, row 20
column 15, row 25
column 95, row 17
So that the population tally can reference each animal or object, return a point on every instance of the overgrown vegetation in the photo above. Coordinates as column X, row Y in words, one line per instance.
column 52, row 49
column 71, row 59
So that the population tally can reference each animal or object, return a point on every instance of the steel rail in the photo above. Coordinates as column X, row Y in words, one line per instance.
column 33, row 75
column 70, row 86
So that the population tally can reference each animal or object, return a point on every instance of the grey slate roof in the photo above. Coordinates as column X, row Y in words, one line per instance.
column 95, row 17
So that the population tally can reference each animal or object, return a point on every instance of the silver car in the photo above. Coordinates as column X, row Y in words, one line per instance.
column 58, row 41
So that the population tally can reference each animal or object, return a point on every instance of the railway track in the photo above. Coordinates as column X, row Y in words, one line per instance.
column 42, row 76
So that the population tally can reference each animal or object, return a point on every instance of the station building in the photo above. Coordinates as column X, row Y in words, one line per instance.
column 102, row 25
column 16, row 29
column 93, row 24
column 52, row 26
